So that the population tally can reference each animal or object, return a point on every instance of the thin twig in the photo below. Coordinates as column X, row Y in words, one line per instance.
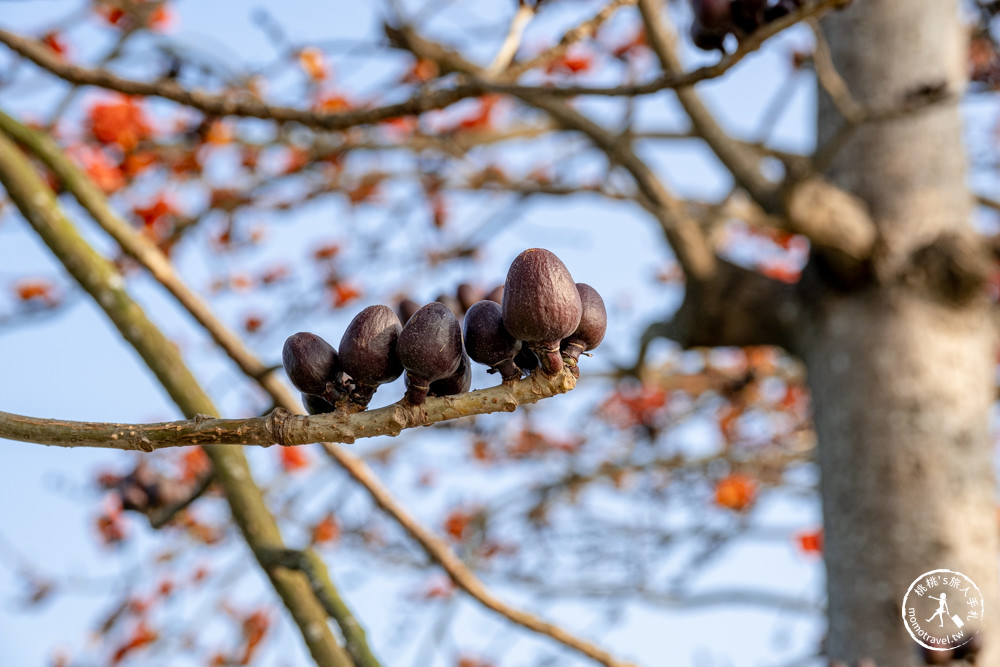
column 162, row 516
column 522, row 17
column 988, row 202
column 580, row 32
column 831, row 81
column 234, row 103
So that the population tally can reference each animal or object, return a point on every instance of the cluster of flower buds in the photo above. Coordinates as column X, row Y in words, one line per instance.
column 540, row 319
column 714, row 19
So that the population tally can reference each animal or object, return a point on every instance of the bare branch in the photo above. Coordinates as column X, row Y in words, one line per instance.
column 235, row 103
column 582, row 31
column 988, row 202
column 439, row 552
column 834, row 84
column 310, row 564
column 741, row 162
column 668, row 80
column 103, row 282
column 522, row 17
column 829, row 217
column 282, row 428
column 160, row 516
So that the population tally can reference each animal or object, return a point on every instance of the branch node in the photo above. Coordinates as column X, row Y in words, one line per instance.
column 830, row 217
column 276, row 425
column 953, row 267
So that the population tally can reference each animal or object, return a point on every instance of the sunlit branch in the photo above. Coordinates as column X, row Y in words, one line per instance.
column 104, row 283
column 235, row 103
column 522, row 17
column 580, row 32
column 310, row 564
column 280, row 427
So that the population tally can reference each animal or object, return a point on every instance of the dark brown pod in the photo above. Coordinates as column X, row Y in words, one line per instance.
column 593, row 324
column 453, row 304
column 457, row 383
column 368, row 351
column 496, row 294
column 526, row 359
column 541, row 304
column 714, row 15
column 747, row 15
column 707, row 40
column 312, row 365
column 141, row 490
column 430, row 349
column 467, row 295
column 782, row 8
column 406, row 308
column 488, row 342
column 315, row 405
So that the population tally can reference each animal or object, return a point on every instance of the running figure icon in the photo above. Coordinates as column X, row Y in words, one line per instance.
column 942, row 608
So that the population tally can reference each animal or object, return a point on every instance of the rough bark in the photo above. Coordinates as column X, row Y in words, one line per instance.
column 901, row 370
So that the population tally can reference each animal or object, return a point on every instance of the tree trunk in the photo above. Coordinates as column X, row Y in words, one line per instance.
column 902, row 380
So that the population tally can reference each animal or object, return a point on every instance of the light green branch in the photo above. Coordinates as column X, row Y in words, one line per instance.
column 103, row 282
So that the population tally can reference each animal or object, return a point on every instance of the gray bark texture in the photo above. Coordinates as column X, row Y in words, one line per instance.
column 902, row 376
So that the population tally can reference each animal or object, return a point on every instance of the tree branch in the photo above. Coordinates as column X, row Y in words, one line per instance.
column 463, row 577
column 100, row 279
column 281, row 427
column 741, row 163
column 580, row 32
column 312, row 566
column 668, row 80
column 234, row 103
column 738, row 307
column 522, row 17
column 160, row 516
